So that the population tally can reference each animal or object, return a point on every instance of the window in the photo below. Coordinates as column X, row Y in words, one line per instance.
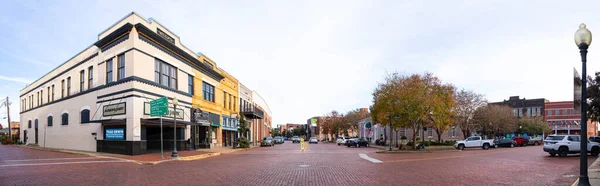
column 191, row 84
column 81, row 81
column 109, row 71
column 41, row 97
column 49, row 121
column 65, row 119
column 85, row 116
column 90, row 77
column 430, row 132
column 453, row 130
column 549, row 112
column 121, row 65
column 402, row 132
column 208, row 92
column 564, row 112
column 29, row 124
column 224, row 99
column 573, row 138
column 62, row 88
column 52, row 92
column 165, row 74
column 418, row 132
column 49, row 94
column 229, row 101
column 68, row 86
column 234, row 101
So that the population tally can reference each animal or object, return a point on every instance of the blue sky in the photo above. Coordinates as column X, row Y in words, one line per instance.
column 309, row 57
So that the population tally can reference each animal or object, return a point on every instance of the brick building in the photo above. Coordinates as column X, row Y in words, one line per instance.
column 524, row 107
column 564, row 119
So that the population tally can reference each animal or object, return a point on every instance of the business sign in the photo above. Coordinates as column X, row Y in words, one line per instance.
column 201, row 117
column 159, row 107
column 113, row 110
column 165, row 35
column 114, row 134
column 313, row 122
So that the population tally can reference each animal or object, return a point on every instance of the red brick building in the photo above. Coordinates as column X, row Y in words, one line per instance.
column 564, row 119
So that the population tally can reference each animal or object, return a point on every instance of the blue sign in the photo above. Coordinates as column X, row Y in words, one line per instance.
column 114, row 134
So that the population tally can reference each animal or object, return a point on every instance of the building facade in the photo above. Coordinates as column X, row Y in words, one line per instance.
column 99, row 100
column 564, row 119
column 378, row 131
column 525, row 107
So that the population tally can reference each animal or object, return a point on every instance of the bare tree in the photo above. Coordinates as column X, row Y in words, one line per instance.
column 467, row 102
column 495, row 119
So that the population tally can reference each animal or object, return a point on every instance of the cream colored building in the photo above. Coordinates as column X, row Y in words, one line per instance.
column 99, row 99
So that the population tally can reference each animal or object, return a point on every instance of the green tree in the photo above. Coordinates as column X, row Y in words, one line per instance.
column 593, row 95
column 533, row 125
column 493, row 120
column 275, row 132
column 243, row 128
column 467, row 102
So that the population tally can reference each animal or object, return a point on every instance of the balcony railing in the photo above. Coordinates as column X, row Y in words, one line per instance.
column 252, row 112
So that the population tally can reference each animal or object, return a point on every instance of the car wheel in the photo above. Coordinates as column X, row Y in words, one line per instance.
column 512, row 145
column 552, row 154
column 525, row 144
column 495, row 146
column 461, row 147
column 486, row 146
column 338, row 144
column 595, row 151
column 536, row 143
column 563, row 151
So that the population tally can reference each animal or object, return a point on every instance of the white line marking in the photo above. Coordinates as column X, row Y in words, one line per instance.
column 62, row 163
column 364, row 156
column 53, row 159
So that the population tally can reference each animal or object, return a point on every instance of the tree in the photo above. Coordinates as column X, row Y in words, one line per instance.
column 275, row 132
column 593, row 94
column 533, row 125
column 442, row 111
column 351, row 119
column 243, row 128
column 495, row 119
column 412, row 99
column 467, row 102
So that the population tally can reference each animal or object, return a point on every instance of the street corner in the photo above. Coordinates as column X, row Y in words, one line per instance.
column 198, row 157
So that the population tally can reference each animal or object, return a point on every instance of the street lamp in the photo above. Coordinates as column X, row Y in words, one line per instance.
column 583, row 39
column 395, row 117
column 175, row 102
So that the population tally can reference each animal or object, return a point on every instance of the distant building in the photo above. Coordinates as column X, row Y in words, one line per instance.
column 564, row 119
column 524, row 107
column 378, row 131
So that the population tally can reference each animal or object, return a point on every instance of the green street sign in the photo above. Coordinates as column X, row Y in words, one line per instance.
column 368, row 125
column 159, row 107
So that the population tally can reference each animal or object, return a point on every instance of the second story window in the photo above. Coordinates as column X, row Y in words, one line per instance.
column 81, row 81
column 109, row 71
column 191, row 84
column 90, row 77
column 52, row 92
column 208, row 92
column 49, row 93
column 41, row 96
column 68, row 86
column 121, row 67
column 165, row 74
column 62, row 88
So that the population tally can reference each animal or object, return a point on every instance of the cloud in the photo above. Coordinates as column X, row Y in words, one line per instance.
column 16, row 79
column 22, row 58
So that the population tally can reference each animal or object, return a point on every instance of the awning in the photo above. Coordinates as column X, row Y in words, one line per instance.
column 230, row 128
column 215, row 125
column 167, row 122
column 109, row 121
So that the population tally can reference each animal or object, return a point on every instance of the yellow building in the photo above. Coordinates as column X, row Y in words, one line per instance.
column 215, row 104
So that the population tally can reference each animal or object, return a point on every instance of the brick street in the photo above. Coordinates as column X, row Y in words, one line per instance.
column 321, row 164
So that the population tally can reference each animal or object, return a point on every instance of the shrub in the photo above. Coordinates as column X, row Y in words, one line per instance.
column 403, row 137
column 410, row 143
column 418, row 139
column 243, row 142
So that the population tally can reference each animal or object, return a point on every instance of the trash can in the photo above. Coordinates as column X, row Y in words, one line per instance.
column 235, row 145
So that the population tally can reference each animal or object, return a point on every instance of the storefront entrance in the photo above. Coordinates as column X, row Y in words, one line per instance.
column 199, row 137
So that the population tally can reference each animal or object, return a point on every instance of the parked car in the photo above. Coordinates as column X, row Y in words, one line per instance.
column 504, row 143
column 568, row 144
column 534, row 141
column 472, row 142
column 285, row 138
column 521, row 141
column 341, row 140
column 313, row 140
column 295, row 139
column 595, row 139
column 278, row 140
column 356, row 142
column 267, row 141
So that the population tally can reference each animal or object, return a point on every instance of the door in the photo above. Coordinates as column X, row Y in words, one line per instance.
column 473, row 142
column 574, row 143
column 36, row 136
column 25, row 136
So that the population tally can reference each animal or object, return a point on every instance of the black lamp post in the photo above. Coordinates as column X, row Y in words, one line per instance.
column 174, row 153
column 583, row 39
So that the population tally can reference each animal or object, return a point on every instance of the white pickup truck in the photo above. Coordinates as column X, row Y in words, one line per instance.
column 474, row 141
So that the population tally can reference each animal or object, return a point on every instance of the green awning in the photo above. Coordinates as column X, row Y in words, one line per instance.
column 215, row 125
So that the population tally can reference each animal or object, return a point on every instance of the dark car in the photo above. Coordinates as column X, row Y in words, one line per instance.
column 595, row 139
column 295, row 139
column 505, row 143
column 357, row 142
column 520, row 141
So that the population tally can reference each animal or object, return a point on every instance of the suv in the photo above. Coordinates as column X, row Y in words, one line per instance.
column 341, row 140
column 521, row 141
column 595, row 139
column 568, row 144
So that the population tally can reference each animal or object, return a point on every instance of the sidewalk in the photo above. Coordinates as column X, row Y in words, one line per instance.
column 594, row 172
column 153, row 158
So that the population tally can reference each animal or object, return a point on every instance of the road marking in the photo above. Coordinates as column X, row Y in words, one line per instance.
column 364, row 156
column 48, row 159
column 63, row 163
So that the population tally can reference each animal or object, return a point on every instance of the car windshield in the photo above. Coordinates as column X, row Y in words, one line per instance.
column 555, row 138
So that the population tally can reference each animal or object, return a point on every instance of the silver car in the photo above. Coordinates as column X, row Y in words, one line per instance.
column 267, row 141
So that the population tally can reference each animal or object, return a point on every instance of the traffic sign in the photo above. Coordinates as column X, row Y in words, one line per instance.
column 159, row 107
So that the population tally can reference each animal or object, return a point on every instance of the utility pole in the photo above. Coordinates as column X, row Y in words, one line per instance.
column 8, row 117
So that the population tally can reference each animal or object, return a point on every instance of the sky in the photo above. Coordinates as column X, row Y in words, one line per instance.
column 307, row 58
